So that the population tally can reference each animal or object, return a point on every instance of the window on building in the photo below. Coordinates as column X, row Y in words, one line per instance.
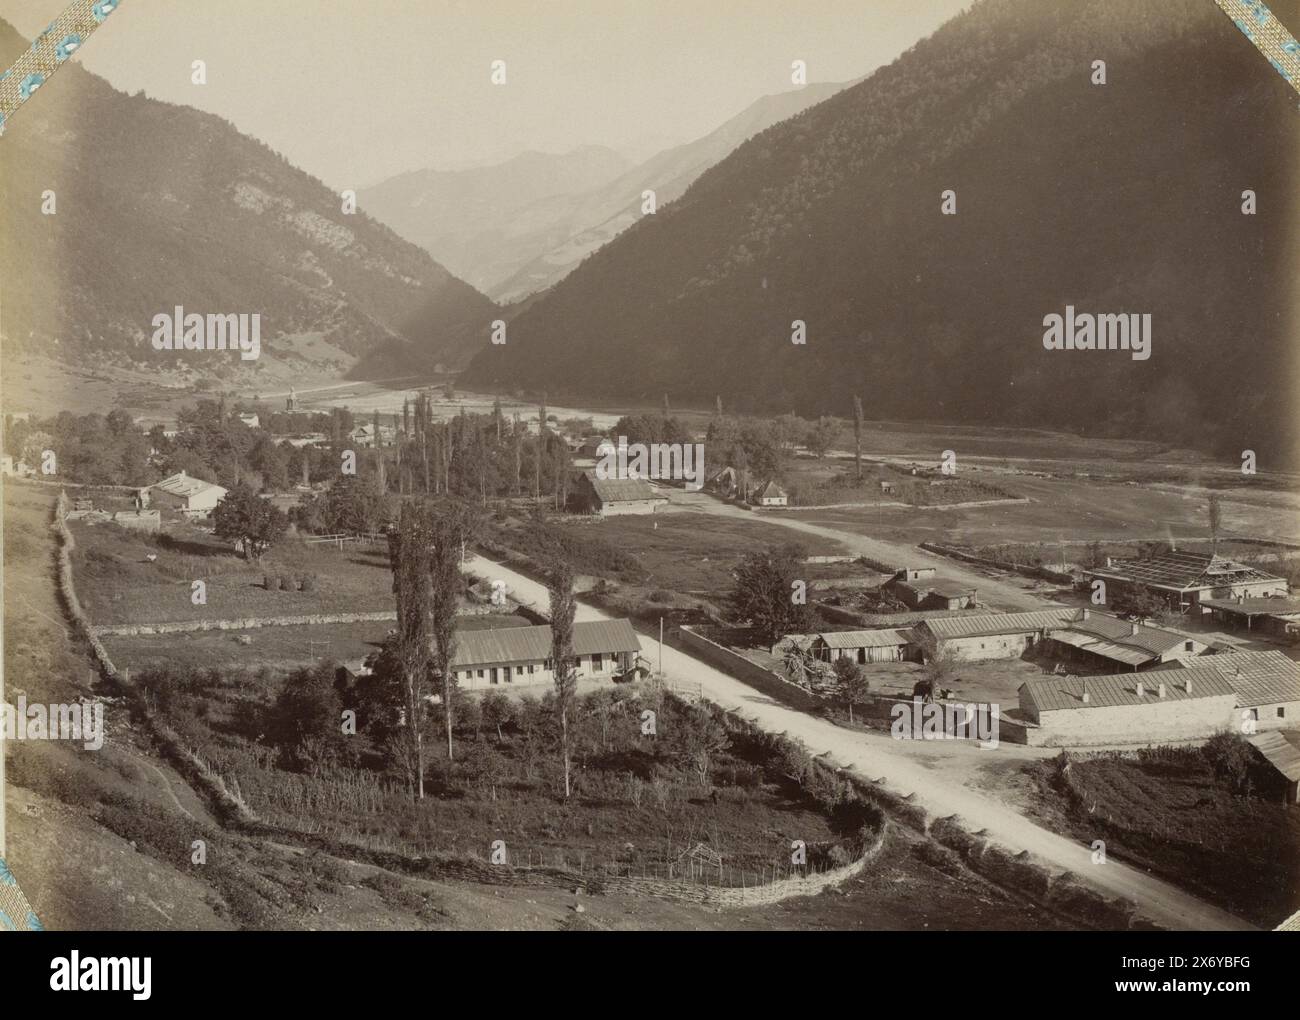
column 597, row 662
column 1188, row 646
column 519, row 671
column 1281, row 712
column 532, row 668
column 480, row 674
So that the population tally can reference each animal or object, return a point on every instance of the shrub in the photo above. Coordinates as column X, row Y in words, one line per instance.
column 307, row 582
column 271, row 582
column 287, row 583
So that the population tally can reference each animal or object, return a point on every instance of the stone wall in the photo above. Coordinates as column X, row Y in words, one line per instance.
column 736, row 665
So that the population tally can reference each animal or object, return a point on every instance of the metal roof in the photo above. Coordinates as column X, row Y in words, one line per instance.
column 505, row 645
column 1259, row 678
column 1099, row 646
column 1182, row 571
column 983, row 624
column 1281, row 753
column 1059, row 693
column 1256, row 607
column 181, row 484
column 865, row 638
column 1154, row 640
column 618, row 490
column 945, row 587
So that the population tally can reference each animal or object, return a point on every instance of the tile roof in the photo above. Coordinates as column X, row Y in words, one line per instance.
column 865, row 638
column 1259, row 678
column 1182, row 570
column 982, row 624
column 617, row 490
column 1059, row 693
column 770, row 491
column 533, row 644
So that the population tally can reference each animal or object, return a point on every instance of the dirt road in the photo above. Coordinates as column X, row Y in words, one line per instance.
column 996, row 593
column 879, row 757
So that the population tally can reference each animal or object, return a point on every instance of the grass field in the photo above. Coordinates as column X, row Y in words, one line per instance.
column 691, row 552
column 117, row 584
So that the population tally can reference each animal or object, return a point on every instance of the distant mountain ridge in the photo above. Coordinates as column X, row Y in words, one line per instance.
column 1123, row 197
column 609, row 210
column 517, row 227
column 159, row 205
column 483, row 221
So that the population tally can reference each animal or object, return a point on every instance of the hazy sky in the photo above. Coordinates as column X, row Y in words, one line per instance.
column 356, row 90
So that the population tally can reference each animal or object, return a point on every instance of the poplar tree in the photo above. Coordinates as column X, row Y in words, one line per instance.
column 563, row 610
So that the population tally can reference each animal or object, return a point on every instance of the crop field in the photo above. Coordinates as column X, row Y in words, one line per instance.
column 1169, row 812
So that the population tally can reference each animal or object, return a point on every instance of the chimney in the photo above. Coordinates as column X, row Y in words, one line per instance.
column 1085, row 613
column 1141, row 692
column 1134, row 627
column 1109, row 564
column 1086, row 698
column 1240, row 599
column 1187, row 685
column 182, row 472
column 1160, row 691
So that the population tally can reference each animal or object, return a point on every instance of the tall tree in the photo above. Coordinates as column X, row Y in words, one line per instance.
column 453, row 527
column 563, row 609
column 1216, row 521
column 409, row 556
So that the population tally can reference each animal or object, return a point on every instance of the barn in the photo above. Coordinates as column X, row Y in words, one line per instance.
column 186, row 494
column 613, row 497
column 1099, row 639
column 866, row 646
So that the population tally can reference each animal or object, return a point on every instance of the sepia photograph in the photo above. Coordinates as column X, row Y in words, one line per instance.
column 649, row 468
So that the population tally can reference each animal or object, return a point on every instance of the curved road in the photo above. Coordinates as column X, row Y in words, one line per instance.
column 876, row 757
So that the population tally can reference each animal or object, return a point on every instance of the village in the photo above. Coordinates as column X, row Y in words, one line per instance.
column 1125, row 647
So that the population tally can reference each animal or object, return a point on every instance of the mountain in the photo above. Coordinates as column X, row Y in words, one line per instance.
column 1114, row 198
column 158, row 205
column 484, row 222
column 605, row 212
column 518, row 227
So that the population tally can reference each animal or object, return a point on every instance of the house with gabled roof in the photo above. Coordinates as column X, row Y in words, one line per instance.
column 1266, row 684
column 1186, row 579
column 866, row 646
column 1127, row 708
column 769, row 494
column 612, row 497
column 516, row 656
column 186, row 494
